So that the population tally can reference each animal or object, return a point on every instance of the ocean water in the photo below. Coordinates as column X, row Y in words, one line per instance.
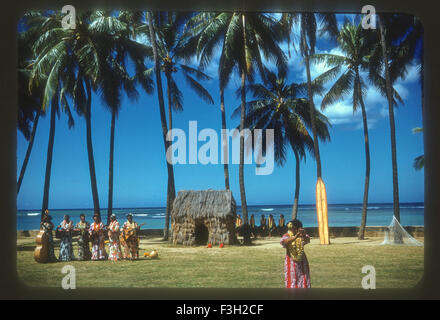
column 340, row 215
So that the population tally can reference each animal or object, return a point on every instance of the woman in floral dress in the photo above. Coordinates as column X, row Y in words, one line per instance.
column 296, row 266
column 113, row 237
column 66, row 248
column 47, row 226
column 130, row 230
column 96, row 232
column 83, row 241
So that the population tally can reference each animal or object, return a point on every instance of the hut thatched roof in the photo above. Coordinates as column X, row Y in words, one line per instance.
column 204, row 203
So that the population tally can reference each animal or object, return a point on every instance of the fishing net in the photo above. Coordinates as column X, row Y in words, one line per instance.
column 397, row 235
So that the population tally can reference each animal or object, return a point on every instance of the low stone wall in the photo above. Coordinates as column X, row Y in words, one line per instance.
column 335, row 232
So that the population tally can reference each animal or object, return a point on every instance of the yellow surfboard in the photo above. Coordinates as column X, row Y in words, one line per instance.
column 322, row 212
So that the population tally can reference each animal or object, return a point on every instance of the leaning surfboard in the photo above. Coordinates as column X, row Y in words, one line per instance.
column 322, row 212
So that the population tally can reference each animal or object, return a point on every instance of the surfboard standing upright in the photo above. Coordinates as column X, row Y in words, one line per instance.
column 322, row 212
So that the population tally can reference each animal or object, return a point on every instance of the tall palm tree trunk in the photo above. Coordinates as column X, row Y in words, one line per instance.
column 171, row 193
column 90, row 150
column 297, row 184
column 312, row 118
column 171, row 188
column 392, row 123
column 367, row 165
column 170, row 111
column 320, row 199
column 45, row 204
column 28, row 151
column 224, row 138
column 110, row 167
column 246, row 235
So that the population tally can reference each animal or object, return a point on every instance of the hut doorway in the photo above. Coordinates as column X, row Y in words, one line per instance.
column 201, row 234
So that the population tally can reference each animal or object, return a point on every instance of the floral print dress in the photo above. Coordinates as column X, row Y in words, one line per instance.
column 296, row 266
column 66, row 248
column 132, row 242
column 47, row 227
column 114, row 245
column 83, row 241
column 96, row 232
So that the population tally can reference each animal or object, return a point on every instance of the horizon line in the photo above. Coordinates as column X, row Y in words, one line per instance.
column 249, row 205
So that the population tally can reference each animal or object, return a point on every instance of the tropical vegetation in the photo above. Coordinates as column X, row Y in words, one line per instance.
column 60, row 69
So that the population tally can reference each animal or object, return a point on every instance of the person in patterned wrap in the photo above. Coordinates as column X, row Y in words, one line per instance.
column 113, row 237
column 66, row 248
column 82, row 227
column 97, row 236
column 130, row 230
column 296, row 266
column 47, row 226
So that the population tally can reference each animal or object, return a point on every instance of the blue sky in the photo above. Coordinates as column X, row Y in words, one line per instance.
column 140, row 175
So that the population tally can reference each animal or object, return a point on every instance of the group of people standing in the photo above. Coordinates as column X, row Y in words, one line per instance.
column 267, row 228
column 123, row 243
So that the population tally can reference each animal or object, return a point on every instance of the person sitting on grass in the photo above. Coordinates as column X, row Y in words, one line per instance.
column 263, row 227
column 83, row 241
column 271, row 226
column 239, row 225
column 130, row 230
column 66, row 248
column 238, row 221
column 281, row 225
column 252, row 224
column 296, row 266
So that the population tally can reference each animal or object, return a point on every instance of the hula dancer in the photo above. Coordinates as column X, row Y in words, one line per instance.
column 113, row 237
column 130, row 230
column 296, row 266
column 66, row 248
column 47, row 226
column 96, row 232
column 83, row 241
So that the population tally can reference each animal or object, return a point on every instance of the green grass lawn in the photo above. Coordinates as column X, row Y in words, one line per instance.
column 258, row 266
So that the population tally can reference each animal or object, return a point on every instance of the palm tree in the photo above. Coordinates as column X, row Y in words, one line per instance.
column 353, row 59
column 243, row 37
column 29, row 103
column 112, row 36
column 47, row 74
column 171, row 188
column 308, row 23
column 175, row 47
column 70, row 57
column 278, row 106
column 393, row 49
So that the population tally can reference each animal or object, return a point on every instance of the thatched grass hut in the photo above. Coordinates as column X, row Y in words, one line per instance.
column 205, row 216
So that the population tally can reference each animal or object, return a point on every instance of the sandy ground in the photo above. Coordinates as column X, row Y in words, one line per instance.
column 260, row 243
column 266, row 243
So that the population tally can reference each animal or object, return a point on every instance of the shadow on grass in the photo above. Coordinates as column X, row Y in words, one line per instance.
column 26, row 247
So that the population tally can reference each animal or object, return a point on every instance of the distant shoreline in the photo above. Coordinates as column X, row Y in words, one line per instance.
column 239, row 206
